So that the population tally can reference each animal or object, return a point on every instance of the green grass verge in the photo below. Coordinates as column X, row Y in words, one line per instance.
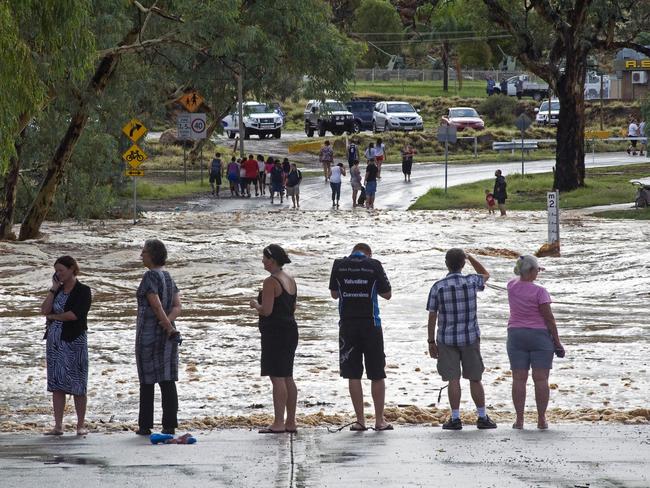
column 148, row 190
column 634, row 214
column 604, row 186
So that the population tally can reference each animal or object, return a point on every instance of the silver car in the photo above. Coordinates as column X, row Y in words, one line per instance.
column 395, row 116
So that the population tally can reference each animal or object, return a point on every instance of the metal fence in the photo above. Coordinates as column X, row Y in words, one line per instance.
column 376, row 74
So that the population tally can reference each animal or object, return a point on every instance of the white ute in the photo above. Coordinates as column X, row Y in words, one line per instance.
column 259, row 119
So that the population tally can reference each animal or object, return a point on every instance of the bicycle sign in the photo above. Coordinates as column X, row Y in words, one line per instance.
column 134, row 156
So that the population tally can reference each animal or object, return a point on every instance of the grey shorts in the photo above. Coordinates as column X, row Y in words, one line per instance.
column 530, row 348
column 293, row 191
column 450, row 359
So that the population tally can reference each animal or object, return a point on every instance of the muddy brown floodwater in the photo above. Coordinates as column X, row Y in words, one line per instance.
column 599, row 285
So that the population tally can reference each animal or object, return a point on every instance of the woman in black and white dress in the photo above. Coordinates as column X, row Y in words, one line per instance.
column 156, row 339
column 66, row 310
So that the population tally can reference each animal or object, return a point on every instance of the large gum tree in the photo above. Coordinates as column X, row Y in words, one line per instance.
column 203, row 45
column 554, row 39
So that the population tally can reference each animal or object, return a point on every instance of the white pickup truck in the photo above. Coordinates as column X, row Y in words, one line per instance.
column 259, row 119
column 529, row 88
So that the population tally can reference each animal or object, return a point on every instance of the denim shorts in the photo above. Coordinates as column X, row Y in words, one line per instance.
column 371, row 188
column 530, row 348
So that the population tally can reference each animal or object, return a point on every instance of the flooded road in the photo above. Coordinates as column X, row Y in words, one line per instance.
column 599, row 285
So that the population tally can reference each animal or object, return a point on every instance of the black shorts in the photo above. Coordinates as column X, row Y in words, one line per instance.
column 278, row 351
column 361, row 342
column 215, row 178
column 501, row 201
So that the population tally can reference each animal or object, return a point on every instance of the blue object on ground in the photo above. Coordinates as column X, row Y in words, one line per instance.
column 158, row 438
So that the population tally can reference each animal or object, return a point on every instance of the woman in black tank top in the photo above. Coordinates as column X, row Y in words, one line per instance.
column 276, row 305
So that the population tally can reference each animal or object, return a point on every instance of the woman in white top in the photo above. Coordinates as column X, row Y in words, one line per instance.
column 335, row 174
column 380, row 155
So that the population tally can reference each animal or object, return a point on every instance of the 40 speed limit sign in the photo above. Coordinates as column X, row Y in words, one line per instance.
column 198, row 126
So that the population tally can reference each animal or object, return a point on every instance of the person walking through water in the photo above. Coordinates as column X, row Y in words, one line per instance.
column 407, row 161
column 380, row 156
column 371, row 183
column 335, row 183
column 276, row 306
column 216, row 174
column 294, row 178
column 66, row 309
column 326, row 158
column 355, row 182
column 499, row 193
column 356, row 281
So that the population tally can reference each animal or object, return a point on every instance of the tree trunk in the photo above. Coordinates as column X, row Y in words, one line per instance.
column 10, row 187
column 445, row 66
column 9, row 191
column 570, row 151
column 30, row 227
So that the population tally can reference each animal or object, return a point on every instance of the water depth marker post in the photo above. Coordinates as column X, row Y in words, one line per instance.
column 553, row 207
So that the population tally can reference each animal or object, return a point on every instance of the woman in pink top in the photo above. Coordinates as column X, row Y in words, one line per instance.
column 532, row 339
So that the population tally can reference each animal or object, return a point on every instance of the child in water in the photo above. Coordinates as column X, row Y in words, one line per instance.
column 489, row 201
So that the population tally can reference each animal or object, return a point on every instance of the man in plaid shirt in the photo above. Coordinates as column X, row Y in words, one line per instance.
column 452, row 305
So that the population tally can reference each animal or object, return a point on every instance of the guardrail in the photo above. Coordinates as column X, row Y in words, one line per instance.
column 515, row 145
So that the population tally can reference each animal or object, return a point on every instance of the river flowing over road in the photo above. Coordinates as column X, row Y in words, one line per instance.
column 599, row 287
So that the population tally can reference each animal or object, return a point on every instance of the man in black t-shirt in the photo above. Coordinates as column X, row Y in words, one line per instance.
column 356, row 281
column 372, row 172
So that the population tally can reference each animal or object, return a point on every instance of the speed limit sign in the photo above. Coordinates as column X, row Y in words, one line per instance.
column 198, row 126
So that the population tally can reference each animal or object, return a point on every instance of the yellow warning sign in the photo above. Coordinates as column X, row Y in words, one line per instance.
column 134, row 172
column 598, row 134
column 191, row 101
column 134, row 129
column 134, row 156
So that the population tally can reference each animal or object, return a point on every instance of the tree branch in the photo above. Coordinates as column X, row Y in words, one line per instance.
column 158, row 11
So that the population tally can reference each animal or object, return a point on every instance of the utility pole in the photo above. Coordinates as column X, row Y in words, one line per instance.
column 240, row 110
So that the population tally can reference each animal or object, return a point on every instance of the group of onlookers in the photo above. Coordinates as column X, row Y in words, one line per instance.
column 257, row 174
column 356, row 281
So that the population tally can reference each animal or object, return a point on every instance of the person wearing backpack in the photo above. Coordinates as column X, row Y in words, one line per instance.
column 353, row 154
column 293, row 185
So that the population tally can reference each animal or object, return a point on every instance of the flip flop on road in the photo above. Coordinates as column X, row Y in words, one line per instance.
column 53, row 432
column 269, row 430
column 357, row 427
column 385, row 427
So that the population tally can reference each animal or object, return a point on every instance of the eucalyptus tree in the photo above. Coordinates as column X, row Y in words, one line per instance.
column 43, row 43
column 378, row 23
column 554, row 39
column 172, row 47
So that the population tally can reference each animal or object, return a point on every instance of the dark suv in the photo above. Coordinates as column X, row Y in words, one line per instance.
column 361, row 109
column 330, row 115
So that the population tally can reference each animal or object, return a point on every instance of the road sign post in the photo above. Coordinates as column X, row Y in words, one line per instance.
column 522, row 123
column 553, row 208
column 446, row 134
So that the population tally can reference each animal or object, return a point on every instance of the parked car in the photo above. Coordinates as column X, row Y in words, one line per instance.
column 543, row 117
column 395, row 116
column 463, row 118
column 361, row 109
column 259, row 119
column 330, row 115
